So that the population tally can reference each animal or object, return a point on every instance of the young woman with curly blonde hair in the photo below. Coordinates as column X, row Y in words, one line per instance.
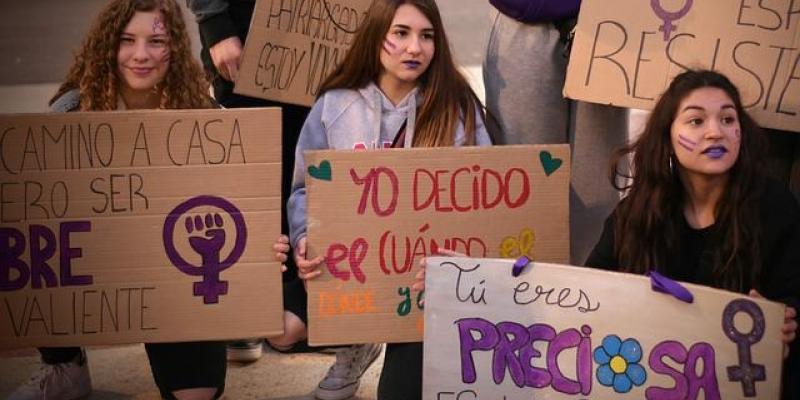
column 135, row 56
column 96, row 75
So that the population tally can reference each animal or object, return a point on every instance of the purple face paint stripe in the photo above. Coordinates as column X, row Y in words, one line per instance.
column 685, row 146
column 389, row 47
column 158, row 26
column 687, row 140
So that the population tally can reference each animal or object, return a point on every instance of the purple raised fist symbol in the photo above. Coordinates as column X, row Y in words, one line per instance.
column 668, row 16
column 206, row 236
column 208, row 245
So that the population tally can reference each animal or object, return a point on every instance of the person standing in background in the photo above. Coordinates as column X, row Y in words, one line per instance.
column 524, row 72
column 223, row 26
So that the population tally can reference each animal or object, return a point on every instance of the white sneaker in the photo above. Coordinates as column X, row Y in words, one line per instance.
column 65, row 381
column 245, row 350
column 344, row 376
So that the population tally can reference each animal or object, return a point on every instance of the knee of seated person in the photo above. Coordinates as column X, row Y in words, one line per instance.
column 293, row 327
column 195, row 394
column 294, row 330
column 281, row 343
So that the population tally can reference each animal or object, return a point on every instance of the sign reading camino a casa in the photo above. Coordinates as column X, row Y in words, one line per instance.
column 139, row 226
column 562, row 332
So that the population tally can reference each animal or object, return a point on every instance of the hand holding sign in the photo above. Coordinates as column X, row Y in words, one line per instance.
column 419, row 279
column 306, row 269
column 789, row 329
column 226, row 56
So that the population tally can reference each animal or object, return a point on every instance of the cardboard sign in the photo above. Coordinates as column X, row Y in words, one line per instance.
column 626, row 52
column 560, row 332
column 375, row 214
column 132, row 226
column 293, row 45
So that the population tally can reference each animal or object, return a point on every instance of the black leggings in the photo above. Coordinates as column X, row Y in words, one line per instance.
column 401, row 377
column 175, row 366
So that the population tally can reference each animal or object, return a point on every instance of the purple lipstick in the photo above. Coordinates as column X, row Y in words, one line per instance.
column 715, row 152
column 411, row 64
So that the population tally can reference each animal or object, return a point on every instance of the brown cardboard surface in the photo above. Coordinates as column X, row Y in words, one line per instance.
column 292, row 46
column 375, row 214
column 623, row 56
column 99, row 210
column 550, row 333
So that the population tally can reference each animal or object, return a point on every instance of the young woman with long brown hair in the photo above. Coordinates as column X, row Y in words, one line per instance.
column 136, row 55
column 697, row 208
column 397, row 87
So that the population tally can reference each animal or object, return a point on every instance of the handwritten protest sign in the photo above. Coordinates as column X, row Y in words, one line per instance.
column 628, row 58
column 293, row 45
column 560, row 332
column 374, row 215
column 133, row 226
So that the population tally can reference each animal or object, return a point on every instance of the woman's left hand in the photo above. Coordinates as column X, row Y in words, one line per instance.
column 281, row 248
column 789, row 329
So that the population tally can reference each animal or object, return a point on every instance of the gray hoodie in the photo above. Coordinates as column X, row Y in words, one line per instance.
column 345, row 119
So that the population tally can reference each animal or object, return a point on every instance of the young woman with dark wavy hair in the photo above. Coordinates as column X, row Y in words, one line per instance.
column 697, row 207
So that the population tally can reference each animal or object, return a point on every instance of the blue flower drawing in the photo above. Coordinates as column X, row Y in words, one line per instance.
column 619, row 364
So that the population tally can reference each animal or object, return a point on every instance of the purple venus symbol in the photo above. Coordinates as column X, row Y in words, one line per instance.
column 206, row 236
column 668, row 16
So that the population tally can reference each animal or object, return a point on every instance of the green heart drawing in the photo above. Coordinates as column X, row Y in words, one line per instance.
column 549, row 163
column 323, row 172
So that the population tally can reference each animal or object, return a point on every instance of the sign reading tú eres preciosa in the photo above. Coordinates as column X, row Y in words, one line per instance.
column 561, row 332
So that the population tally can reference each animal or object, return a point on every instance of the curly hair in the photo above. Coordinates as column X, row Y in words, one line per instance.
column 647, row 220
column 94, row 71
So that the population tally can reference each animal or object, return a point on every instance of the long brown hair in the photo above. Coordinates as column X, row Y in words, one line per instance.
column 447, row 98
column 648, row 220
column 94, row 71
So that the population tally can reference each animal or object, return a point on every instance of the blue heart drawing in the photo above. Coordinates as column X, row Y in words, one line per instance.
column 549, row 163
column 323, row 172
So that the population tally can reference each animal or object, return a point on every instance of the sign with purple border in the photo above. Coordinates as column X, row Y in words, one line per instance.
column 562, row 332
column 139, row 226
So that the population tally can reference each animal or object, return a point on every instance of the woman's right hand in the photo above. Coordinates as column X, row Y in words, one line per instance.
column 306, row 269
column 419, row 279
